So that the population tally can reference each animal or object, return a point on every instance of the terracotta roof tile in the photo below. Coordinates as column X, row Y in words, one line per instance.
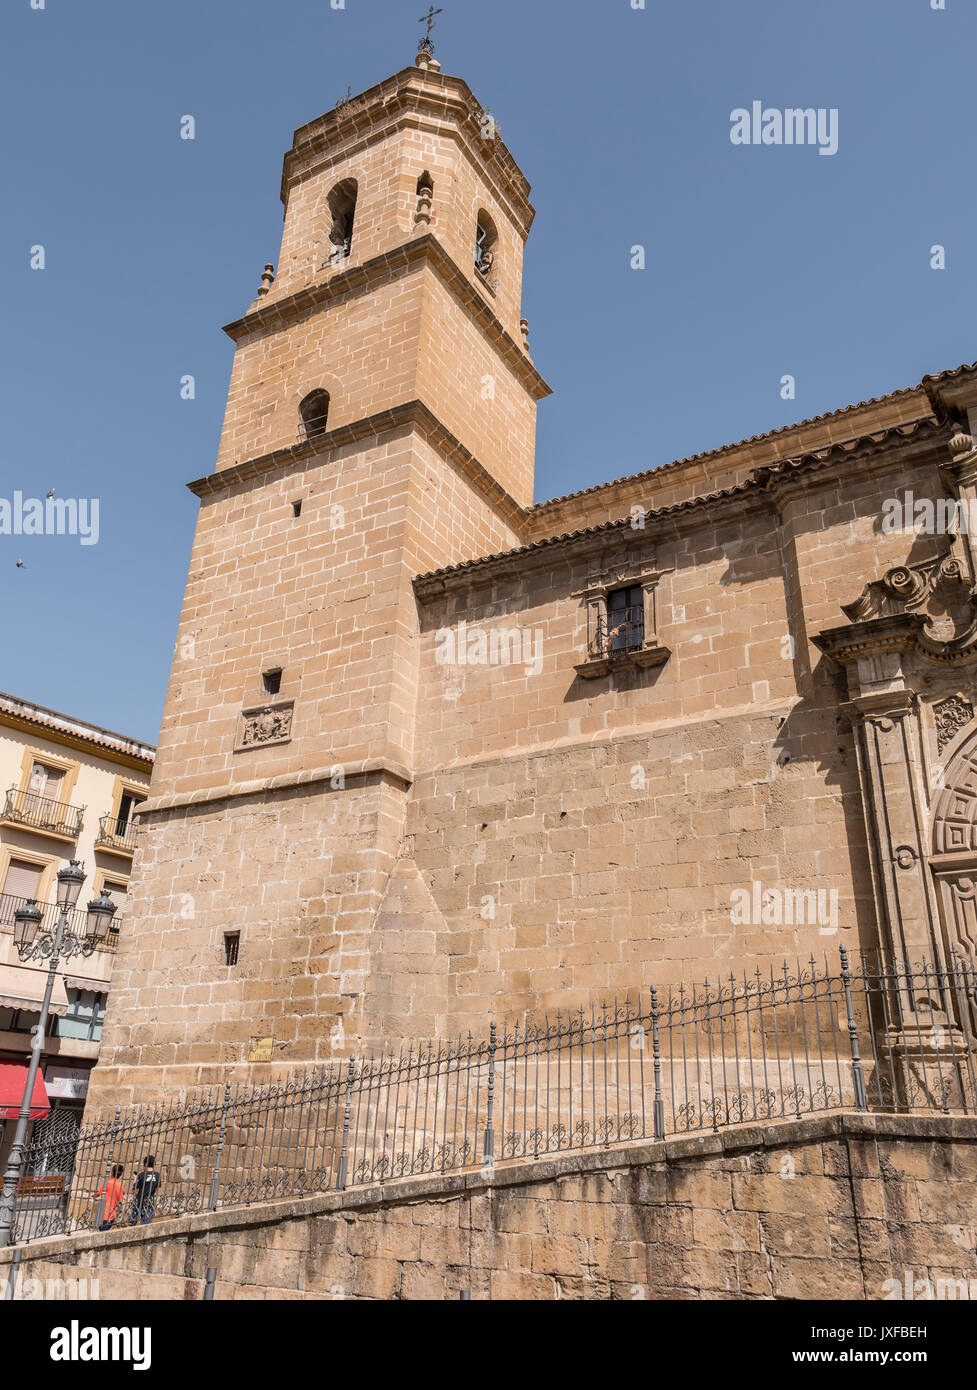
column 77, row 728
column 950, row 374
column 755, row 483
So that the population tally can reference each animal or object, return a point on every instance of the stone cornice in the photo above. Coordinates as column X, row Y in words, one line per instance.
column 259, row 786
column 273, row 314
column 879, row 704
column 919, row 438
column 955, row 389
column 409, row 415
column 625, row 735
column 902, row 632
column 897, row 633
column 651, row 655
column 951, row 863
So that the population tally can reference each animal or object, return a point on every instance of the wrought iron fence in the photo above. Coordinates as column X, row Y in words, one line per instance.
column 875, row 1033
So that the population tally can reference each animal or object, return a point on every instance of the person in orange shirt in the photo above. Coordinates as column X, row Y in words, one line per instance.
column 114, row 1193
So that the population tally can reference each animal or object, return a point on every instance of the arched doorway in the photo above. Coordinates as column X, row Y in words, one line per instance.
column 953, row 863
column 954, row 850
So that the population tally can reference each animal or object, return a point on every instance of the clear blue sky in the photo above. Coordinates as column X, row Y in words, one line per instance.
column 760, row 261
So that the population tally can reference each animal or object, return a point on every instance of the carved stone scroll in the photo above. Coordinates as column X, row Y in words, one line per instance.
column 950, row 716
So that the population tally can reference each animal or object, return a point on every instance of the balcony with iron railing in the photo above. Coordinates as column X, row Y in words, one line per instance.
column 77, row 919
column 623, row 631
column 35, row 812
column 118, row 834
column 618, row 639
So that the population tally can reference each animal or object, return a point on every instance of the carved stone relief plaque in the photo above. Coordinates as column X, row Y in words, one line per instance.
column 265, row 726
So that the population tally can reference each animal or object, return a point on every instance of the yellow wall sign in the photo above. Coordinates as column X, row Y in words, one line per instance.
column 261, row 1049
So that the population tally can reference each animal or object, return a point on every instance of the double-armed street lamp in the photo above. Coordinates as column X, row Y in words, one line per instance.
column 34, row 944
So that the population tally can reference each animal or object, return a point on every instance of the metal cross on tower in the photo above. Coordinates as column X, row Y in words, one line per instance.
column 426, row 42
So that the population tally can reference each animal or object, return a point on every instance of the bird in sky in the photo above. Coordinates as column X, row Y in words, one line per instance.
column 21, row 565
column 49, row 494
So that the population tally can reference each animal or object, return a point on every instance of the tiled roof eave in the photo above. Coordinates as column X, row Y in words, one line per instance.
column 535, row 554
column 36, row 716
column 951, row 374
column 760, row 487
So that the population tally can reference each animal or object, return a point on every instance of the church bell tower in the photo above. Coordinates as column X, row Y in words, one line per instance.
column 380, row 423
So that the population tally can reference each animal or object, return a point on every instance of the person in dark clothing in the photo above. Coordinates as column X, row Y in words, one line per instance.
column 144, row 1191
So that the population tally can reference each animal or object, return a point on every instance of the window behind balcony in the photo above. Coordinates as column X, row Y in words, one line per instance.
column 20, row 882
column 44, row 787
column 127, row 805
column 626, row 619
column 117, row 892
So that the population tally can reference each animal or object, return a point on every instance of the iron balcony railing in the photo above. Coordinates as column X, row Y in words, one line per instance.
column 618, row 632
column 41, row 813
column 115, row 832
column 873, row 1034
column 77, row 919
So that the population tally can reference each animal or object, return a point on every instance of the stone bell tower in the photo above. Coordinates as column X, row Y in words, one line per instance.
column 380, row 423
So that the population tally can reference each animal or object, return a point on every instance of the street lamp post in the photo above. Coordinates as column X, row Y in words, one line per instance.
column 32, row 943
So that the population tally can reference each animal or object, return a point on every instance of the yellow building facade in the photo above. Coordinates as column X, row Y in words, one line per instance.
column 68, row 791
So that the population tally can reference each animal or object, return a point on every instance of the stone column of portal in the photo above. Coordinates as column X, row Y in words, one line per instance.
column 890, row 761
column 882, row 713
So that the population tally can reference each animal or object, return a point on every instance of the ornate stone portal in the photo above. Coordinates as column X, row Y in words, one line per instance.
column 910, row 657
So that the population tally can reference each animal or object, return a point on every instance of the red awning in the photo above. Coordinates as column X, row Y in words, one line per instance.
column 13, row 1079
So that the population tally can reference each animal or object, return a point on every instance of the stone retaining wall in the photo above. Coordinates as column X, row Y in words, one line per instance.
column 825, row 1207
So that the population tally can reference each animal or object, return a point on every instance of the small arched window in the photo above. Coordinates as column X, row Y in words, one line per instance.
column 314, row 411
column 486, row 243
column 342, row 210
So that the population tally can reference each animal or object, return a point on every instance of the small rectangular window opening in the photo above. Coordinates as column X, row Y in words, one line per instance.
column 297, row 508
column 232, row 944
column 272, row 681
